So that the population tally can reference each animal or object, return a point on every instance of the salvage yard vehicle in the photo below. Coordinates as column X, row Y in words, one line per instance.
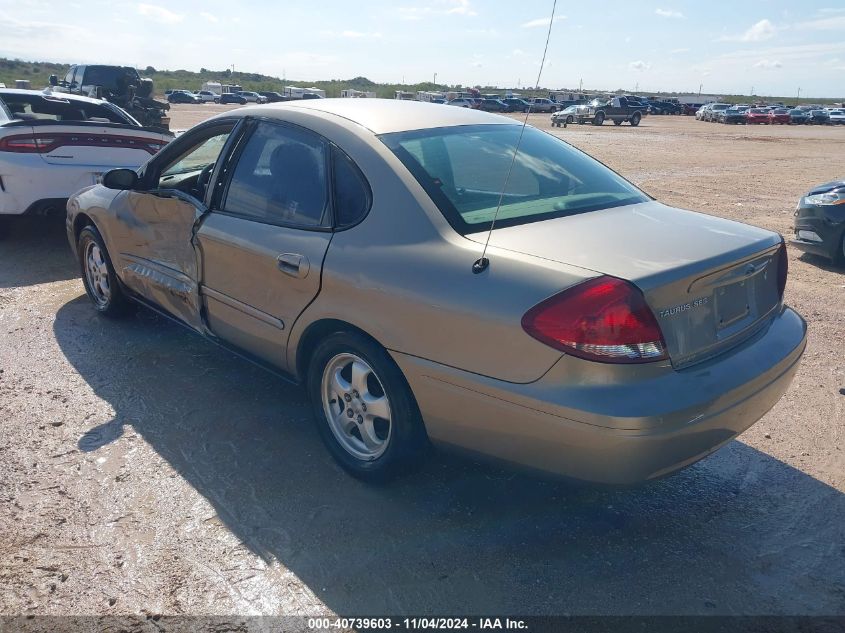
column 798, row 116
column 711, row 113
column 183, row 97
column 53, row 144
column 567, row 115
column 779, row 116
column 232, row 97
column 252, row 97
column 603, row 335
column 617, row 109
column 757, row 116
column 837, row 117
column 122, row 86
column 540, row 104
column 733, row 116
column 206, row 96
column 820, row 221
column 818, row 117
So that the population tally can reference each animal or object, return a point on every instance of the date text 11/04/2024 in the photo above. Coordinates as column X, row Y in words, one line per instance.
column 424, row 623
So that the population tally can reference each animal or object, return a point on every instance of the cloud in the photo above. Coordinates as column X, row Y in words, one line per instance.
column 668, row 13
column 835, row 23
column 159, row 14
column 675, row 51
column 439, row 7
column 209, row 16
column 360, row 35
column 762, row 30
column 517, row 52
column 768, row 64
column 462, row 7
column 639, row 66
column 531, row 24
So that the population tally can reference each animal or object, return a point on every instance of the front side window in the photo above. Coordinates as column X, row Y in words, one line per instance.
column 463, row 169
column 281, row 178
column 198, row 157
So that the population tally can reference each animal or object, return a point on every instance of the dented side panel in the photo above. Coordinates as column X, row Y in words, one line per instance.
column 152, row 239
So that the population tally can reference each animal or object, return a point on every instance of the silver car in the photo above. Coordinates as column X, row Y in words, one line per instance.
column 603, row 336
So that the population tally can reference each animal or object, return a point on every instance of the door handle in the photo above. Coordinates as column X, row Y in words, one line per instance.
column 293, row 264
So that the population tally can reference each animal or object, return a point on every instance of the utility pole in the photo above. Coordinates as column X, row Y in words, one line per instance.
column 700, row 86
column 637, row 88
column 435, row 79
column 581, row 85
column 752, row 91
column 799, row 93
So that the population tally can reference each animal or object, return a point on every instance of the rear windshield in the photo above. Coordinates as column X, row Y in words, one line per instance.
column 464, row 168
column 30, row 107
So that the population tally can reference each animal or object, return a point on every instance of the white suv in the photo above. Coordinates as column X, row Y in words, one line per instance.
column 207, row 96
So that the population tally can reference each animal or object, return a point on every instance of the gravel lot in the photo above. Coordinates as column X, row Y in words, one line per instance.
column 144, row 471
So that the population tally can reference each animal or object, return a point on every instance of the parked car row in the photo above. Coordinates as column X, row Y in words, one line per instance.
column 769, row 115
column 206, row 96
column 505, row 104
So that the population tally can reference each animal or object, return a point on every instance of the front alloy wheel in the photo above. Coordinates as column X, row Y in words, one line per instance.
column 98, row 276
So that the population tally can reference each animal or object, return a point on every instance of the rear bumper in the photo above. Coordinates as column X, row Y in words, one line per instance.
column 621, row 433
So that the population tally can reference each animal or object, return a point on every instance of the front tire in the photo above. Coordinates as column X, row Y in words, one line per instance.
column 635, row 120
column 599, row 118
column 98, row 276
column 364, row 409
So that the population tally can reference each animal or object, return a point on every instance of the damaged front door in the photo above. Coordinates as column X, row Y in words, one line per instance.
column 158, row 256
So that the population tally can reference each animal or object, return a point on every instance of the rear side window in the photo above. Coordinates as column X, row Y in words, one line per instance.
column 280, row 178
column 351, row 193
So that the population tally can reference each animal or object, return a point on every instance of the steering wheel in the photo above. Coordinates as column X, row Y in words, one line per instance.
column 202, row 180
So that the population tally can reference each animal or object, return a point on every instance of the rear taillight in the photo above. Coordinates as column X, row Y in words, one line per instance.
column 45, row 143
column 604, row 319
column 783, row 267
column 21, row 144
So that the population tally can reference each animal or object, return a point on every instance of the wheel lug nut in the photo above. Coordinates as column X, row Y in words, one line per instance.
column 349, row 413
column 347, row 397
column 363, row 406
column 355, row 393
column 360, row 419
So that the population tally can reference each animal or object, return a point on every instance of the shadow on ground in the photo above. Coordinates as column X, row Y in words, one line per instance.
column 823, row 263
column 740, row 532
column 35, row 251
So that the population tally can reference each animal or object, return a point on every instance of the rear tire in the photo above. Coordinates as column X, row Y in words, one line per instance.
column 98, row 276
column 346, row 371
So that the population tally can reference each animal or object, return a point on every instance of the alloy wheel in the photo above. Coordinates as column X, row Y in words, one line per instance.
column 356, row 406
column 97, row 274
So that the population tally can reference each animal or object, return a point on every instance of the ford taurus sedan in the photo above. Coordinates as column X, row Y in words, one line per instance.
column 603, row 335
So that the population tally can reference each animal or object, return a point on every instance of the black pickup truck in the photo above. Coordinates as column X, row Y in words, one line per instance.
column 616, row 109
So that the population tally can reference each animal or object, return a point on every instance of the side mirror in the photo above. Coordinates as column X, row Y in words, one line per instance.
column 120, row 179
column 54, row 81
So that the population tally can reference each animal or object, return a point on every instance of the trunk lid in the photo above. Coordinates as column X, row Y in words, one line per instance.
column 710, row 282
column 102, row 147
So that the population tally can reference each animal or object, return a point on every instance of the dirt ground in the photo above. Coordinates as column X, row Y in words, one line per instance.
column 145, row 471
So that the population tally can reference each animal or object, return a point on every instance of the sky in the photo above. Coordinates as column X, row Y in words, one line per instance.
column 771, row 46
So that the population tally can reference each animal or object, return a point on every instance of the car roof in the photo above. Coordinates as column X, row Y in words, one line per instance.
column 383, row 116
column 43, row 94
